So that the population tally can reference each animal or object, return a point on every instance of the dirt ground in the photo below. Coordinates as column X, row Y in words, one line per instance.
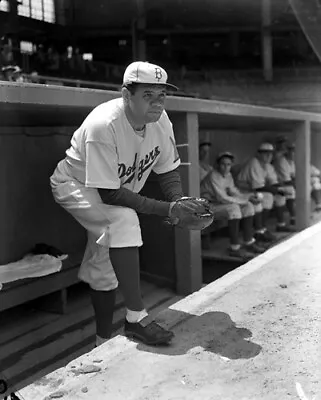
column 252, row 335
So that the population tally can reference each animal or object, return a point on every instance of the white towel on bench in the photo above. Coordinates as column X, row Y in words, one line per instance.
column 30, row 266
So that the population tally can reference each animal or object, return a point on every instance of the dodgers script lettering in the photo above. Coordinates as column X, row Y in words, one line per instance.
column 128, row 172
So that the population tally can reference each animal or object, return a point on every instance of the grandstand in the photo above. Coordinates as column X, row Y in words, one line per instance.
column 250, row 51
column 254, row 52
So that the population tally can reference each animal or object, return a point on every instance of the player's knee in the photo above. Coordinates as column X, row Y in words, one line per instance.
column 234, row 211
column 258, row 208
column 291, row 194
column 124, row 229
column 315, row 183
column 268, row 200
column 247, row 210
column 279, row 200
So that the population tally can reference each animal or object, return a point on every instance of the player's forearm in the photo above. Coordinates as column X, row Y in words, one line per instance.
column 288, row 183
column 171, row 185
column 141, row 204
column 268, row 188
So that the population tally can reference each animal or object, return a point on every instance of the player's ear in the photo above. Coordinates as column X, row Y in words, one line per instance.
column 126, row 95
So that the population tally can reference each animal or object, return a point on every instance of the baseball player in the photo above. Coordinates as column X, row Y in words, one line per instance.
column 258, row 174
column 314, row 173
column 110, row 157
column 283, row 172
column 204, row 166
column 229, row 203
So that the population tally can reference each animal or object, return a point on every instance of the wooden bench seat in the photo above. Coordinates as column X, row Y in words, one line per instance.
column 24, row 290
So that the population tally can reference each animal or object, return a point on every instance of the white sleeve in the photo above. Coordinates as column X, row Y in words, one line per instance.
column 314, row 171
column 101, row 166
column 271, row 178
column 169, row 157
column 256, row 176
column 101, row 155
column 282, row 169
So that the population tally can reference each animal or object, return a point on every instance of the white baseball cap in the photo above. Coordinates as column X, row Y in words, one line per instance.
column 225, row 154
column 144, row 72
column 266, row 147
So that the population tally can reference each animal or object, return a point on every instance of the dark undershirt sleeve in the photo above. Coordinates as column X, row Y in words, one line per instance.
column 141, row 204
column 171, row 186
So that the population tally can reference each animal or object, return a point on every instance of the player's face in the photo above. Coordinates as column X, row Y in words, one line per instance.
column 204, row 152
column 282, row 147
column 148, row 102
column 290, row 154
column 266, row 156
column 225, row 166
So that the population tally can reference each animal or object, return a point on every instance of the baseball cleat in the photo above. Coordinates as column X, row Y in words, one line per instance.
column 285, row 228
column 254, row 248
column 266, row 237
column 151, row 334
column 240, row 253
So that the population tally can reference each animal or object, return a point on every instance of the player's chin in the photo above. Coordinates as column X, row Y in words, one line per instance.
column 153, row 116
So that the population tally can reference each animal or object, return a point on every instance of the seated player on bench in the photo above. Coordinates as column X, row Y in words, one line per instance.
column 204, row 166
column 283, row 172
column 229, row 203
column 315, row 175
column 258, row 174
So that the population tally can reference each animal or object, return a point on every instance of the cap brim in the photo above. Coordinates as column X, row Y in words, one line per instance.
column 169, row 86
column 225, row 155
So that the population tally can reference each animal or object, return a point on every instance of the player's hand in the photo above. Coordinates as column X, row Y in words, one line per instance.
column 256, row 198
column 281, row 191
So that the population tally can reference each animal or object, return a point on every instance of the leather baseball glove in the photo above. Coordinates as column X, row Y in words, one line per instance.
column 191, row 213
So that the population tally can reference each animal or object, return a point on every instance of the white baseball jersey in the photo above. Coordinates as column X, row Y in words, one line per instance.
column 106, row 152
column 314, row 174
column 221, row 189
column 204, row 169
column 254, row 175
column 314, row 171
column 282, row 167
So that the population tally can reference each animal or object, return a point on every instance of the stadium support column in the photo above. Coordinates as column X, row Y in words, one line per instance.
column 139, row 32
column 188, row 259
column 302, row 175
column 266, row 40
column 12, row 24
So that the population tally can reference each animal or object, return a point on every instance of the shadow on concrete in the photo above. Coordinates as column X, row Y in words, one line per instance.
column 213, row 332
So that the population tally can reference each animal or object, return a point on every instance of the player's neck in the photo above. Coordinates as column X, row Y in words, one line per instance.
column 135, row 123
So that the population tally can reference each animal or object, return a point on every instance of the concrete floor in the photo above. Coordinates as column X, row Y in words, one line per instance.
column 252, row 334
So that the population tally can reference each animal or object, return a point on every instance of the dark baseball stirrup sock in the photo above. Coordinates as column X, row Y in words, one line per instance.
column 265, row 217
column 247, row 229
column 290, row 204
column 103, row 303
column 258, row 221
column 125, row 261
column 233, row 230
column 316, row 196
column 279, row 211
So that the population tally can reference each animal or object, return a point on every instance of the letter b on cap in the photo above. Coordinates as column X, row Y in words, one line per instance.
column 158, row 74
